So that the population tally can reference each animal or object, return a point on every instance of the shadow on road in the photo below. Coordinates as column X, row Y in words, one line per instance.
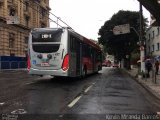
column 65, row 80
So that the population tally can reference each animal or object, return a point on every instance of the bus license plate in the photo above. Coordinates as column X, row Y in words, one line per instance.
column 44, row 64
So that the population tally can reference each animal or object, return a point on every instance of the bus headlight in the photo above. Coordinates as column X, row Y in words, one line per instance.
column 49, row 56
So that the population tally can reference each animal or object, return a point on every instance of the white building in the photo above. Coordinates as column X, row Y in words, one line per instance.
column 153, row 41
column 153, row 38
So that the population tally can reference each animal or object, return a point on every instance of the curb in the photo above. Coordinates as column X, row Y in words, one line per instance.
column 12, row 70
column 152, row 92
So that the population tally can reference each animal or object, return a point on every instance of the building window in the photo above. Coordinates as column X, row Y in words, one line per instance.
column 43, row 25
column 149, row 49
column 26, row 21
column 42, row 13
column 26, row 5
column 152, row 48
column 12, row 54
column 38, row 1
column 157, row 46
column 11, row 40
column 12, row 12
column 26, row 40
column 25, row 44
column 11, row 1
column 153, row 34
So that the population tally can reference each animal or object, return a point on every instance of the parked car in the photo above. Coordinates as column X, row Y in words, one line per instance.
column 106, row 63
column 116, row 65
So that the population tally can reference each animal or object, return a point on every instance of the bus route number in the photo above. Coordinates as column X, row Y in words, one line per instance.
column 46, row 36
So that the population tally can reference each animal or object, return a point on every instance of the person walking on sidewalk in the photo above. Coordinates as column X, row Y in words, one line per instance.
column 157, row 67
column 148, row 66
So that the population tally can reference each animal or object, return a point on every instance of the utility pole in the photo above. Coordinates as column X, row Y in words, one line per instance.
column 142, row 54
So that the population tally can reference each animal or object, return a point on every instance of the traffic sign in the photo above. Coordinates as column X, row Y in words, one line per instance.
column 121, row 29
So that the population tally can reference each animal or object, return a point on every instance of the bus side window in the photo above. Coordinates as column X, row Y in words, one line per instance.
column 90, row 52
column 84, row 50
column 99, row 56
column 87, row 51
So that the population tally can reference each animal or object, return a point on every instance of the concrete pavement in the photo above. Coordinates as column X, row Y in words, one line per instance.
column 148, row 83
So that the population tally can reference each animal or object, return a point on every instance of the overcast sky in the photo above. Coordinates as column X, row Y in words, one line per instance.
column 87, row 16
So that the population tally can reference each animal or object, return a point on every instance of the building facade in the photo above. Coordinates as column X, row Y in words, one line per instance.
column 153, row 38
column 17, row 18
column 153, row 42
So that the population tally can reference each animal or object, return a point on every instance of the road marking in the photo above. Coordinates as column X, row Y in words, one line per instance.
column 2, row 103
column 74, row 101
column 79, row 97
column 29, row 83
column 86, row 90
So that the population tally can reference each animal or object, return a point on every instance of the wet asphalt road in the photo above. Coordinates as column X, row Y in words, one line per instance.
column 111, row 91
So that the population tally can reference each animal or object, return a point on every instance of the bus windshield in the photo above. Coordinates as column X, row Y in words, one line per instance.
column 46, row 41
column 47, row 36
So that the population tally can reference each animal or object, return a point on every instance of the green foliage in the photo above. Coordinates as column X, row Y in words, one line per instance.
column 124, row 44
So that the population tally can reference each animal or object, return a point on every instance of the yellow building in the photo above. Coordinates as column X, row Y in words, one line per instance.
column 17, row 18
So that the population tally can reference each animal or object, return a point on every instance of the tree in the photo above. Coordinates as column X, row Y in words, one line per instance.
column 121, row 46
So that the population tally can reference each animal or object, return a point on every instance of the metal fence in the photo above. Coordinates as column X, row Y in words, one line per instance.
column 13, row 64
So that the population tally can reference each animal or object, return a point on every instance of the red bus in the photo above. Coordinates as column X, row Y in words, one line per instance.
column 62, row 52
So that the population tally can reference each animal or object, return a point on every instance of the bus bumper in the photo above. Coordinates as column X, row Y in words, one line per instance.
column 38, row 72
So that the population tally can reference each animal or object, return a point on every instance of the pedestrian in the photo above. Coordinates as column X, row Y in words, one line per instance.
column 157, row 66
column 148, row 66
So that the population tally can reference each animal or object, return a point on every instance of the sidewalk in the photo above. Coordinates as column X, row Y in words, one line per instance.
column 148, row 83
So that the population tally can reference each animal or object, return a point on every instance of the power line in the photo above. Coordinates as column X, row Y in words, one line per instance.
column 60, row 20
